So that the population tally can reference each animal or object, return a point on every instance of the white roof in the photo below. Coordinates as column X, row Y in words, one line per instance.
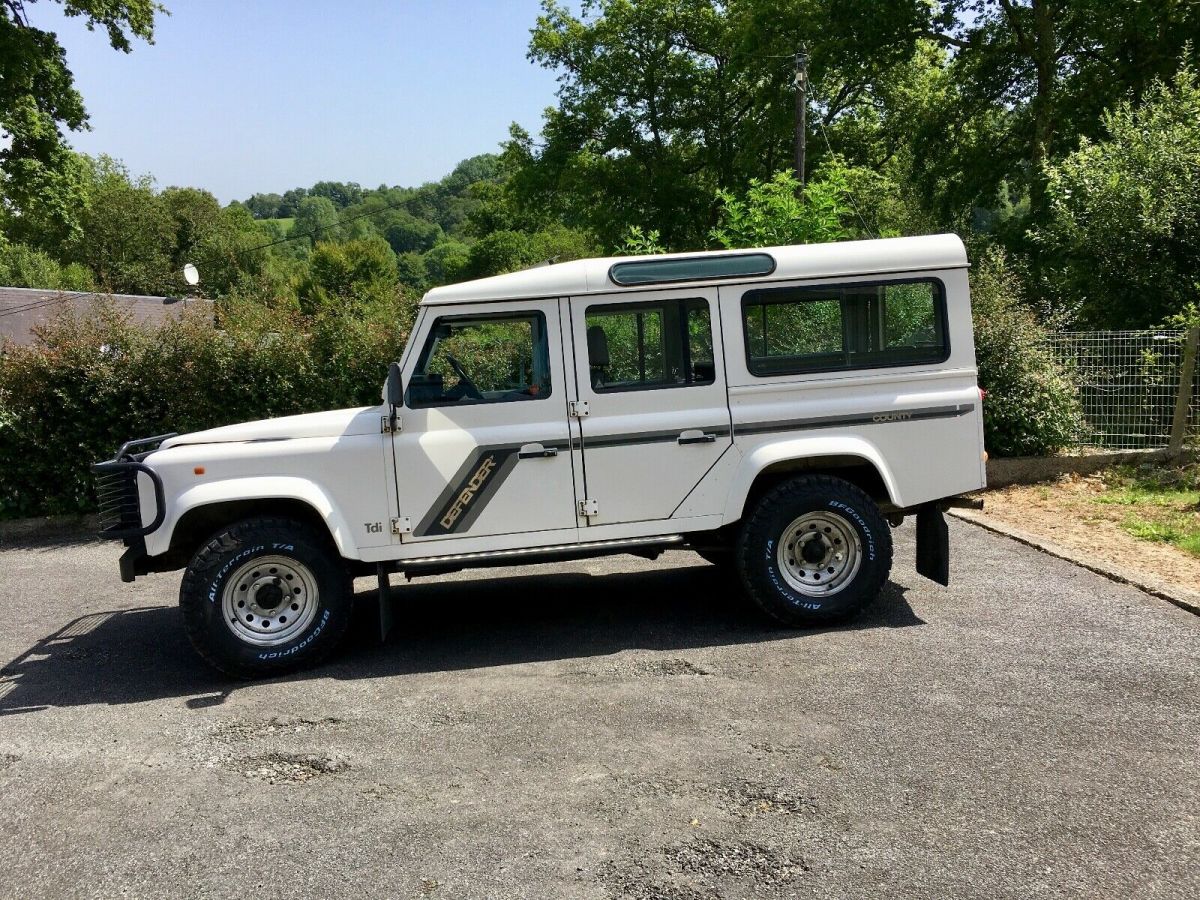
column 590, row 276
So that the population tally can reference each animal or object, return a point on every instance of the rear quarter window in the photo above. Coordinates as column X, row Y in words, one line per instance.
column 794, row 330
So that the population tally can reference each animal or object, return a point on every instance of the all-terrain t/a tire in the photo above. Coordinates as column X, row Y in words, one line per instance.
column 265, row 596
column 814, row 550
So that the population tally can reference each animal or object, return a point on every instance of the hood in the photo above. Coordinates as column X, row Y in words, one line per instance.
column 334, row 423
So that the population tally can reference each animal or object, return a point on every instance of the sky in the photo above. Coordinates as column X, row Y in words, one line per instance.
column 250, row 96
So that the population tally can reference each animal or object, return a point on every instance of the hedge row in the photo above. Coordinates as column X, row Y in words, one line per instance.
column 92, row 382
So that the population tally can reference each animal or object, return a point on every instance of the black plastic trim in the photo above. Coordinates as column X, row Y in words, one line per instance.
column 117, row 468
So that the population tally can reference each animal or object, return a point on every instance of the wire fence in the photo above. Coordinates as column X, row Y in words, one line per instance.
column 1128, row 384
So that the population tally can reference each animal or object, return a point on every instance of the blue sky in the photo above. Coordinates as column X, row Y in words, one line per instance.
column 265, row 95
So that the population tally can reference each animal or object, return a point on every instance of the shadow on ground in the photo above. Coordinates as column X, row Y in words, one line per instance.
column 130, row 656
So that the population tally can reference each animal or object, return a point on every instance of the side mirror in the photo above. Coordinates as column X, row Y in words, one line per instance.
column 395, row 386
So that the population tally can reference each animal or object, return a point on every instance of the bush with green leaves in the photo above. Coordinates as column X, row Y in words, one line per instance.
column 92, row 382
column 1032, row 406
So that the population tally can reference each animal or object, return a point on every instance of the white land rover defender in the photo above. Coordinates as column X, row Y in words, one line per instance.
column 772, row 410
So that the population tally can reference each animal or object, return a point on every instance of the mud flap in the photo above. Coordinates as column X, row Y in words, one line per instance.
column 933, row 545
column 385, row 600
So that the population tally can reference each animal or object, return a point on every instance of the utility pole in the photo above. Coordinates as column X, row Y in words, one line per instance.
column 801, row 112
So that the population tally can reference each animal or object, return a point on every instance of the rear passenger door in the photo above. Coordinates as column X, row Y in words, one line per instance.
column 649, row 369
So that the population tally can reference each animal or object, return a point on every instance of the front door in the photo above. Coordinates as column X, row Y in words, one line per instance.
column 484, row 446
column 649, row 370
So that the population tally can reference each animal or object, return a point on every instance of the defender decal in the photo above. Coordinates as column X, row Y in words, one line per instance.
column 472, row 487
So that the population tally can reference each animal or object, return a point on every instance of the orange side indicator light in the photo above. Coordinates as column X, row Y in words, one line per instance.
column 199, row 470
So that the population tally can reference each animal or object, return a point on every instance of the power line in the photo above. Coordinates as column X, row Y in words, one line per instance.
column 61, row 297
column 849, row 196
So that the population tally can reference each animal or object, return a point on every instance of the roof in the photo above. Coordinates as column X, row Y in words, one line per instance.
column 844, row 259
column 23, row 308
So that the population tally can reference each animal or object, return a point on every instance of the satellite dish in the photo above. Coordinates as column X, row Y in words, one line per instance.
column 191, row 275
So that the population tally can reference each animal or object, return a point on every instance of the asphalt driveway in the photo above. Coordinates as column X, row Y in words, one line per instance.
column 607, row 729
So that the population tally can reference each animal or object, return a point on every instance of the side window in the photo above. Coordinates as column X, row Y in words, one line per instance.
column 657, row 344
column 482, row 359
column 859, row 326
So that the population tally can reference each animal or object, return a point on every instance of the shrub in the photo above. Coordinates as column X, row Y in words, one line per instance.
column 1032, row 406
column 92, row 382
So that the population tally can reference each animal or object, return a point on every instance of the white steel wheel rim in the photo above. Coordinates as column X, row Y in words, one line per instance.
column 270, row 600
column 819, row 554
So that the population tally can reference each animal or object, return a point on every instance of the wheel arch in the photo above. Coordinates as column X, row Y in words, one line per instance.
column 203, row 510
column 852, row 459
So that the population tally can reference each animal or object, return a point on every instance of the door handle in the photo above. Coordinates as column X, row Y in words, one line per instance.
column 696, row 436
column 536, row 451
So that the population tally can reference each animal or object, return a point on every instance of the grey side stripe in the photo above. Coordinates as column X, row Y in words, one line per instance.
column 648, row 437
column 877, row 418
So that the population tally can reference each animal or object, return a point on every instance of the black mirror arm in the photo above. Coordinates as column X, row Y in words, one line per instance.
column 395, row 393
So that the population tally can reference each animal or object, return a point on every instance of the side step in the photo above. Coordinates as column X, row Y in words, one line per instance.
column 429, row 565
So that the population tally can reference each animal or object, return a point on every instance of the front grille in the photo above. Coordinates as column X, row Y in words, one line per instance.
column 117, row 491
column 120, row 506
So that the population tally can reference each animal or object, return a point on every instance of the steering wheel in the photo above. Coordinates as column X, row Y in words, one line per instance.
column 464, row 380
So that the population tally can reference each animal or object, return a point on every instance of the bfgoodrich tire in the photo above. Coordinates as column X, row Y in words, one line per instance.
column 814, row 550
column 265, row 596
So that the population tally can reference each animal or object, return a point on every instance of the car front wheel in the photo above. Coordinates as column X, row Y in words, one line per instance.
column 265, row 596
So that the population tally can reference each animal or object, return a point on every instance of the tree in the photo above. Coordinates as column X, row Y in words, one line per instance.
column 772, row 215
column 343, row 275
column 316, row 219
column 1033, row 74
column 1123, row 237
column 447, row 262
column 38, row 96
column 341, row 194
column 126, row 233
column 264, row 206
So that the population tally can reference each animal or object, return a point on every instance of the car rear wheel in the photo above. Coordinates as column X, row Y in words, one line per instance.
column 265, row 596
column 814, row 550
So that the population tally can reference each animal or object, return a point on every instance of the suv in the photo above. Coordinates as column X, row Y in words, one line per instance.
column 772, row 410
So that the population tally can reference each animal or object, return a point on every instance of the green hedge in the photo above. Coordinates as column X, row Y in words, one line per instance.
column 92, row 382
column 1032, row 406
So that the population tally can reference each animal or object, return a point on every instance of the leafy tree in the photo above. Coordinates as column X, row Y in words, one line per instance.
column 23, row 266
column 772, row 215
column 406, row 233
column 265, row 206
column 1123, row 238
column 639, row 242
column 316, row 219
column 500, row 252
column 1028, row 77
column 38, row 98
column 411, row 271
column 447, row 262
column 290, row 204
column 341, row 275
column 127, row 233
column 341, row 194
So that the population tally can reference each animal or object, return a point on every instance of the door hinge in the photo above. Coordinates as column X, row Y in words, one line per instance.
column 389, row 424
column 402, row 525
column 578, row 408
column 589, row 508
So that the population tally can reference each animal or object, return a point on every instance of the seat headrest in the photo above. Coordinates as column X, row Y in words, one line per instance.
column 597, row 342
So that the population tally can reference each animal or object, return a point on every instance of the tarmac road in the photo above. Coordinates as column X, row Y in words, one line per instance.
column 615, row 728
